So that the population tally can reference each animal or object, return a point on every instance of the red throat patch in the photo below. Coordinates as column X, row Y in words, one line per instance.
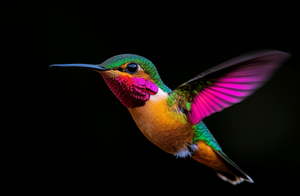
column 131, row 91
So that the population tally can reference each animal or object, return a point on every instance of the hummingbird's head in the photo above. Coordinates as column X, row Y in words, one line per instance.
column 132, row 78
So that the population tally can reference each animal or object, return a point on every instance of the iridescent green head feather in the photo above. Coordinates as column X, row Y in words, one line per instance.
column 148, row 67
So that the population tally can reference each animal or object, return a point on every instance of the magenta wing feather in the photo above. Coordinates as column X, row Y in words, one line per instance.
column 228, row 83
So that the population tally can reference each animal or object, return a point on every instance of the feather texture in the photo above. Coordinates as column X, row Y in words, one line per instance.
column 225, row 84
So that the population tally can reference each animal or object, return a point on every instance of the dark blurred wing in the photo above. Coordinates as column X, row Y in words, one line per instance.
column 226, row 84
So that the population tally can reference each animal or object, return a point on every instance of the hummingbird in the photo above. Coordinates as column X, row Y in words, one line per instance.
column 173, row 119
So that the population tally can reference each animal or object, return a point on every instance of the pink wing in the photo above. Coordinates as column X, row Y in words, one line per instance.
column 231, row 82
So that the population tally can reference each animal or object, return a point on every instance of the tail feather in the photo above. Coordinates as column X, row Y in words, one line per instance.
column 238, row 175
column 225, row 168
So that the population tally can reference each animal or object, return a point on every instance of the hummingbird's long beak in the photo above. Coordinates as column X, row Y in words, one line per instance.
column 84, row 66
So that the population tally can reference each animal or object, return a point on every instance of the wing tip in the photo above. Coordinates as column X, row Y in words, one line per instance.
column 278, row 57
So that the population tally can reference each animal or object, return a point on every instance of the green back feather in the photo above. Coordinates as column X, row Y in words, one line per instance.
column 201, row 133
column 183, row 94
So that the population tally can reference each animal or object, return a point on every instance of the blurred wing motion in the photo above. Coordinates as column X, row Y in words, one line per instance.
column 225, row 84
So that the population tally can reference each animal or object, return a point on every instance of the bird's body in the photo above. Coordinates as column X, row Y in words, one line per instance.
column 169, row 130
column 172, row 120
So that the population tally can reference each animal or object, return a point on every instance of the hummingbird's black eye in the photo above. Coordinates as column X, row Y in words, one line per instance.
column 132, row 68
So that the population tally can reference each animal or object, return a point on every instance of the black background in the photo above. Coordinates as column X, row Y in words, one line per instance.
column 90, row 137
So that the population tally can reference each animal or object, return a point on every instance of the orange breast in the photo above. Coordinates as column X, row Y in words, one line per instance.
column 162, row 125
